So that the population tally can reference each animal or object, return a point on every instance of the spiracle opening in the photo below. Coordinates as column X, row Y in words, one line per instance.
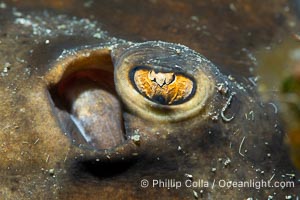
column 85, row 101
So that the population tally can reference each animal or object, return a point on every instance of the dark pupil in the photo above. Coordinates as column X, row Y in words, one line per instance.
column 160, row 99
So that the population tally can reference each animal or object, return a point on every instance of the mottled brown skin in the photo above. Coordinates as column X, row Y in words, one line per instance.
column 38, row 161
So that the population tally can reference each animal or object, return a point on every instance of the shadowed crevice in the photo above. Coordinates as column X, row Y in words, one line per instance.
column 86, row 104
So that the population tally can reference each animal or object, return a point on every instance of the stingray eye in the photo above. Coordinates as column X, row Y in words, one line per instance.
column 157, row 83
column 166, row 88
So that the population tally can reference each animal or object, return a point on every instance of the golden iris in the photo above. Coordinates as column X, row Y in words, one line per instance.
column 167, row 88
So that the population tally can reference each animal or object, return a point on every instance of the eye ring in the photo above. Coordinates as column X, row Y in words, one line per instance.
column 137, row 104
